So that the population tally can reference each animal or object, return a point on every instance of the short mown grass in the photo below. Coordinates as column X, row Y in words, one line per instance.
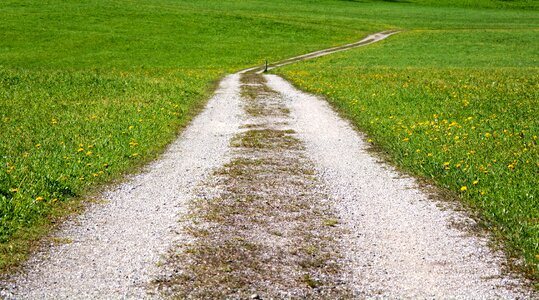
column 458, row 107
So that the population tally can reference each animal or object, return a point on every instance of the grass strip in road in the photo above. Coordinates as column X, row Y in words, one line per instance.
column 456, row 107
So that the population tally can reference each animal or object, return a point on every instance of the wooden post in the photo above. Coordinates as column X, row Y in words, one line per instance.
column 266, row 68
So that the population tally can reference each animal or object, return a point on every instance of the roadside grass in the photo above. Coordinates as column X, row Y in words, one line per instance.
column 65, row 131
column 458, row 107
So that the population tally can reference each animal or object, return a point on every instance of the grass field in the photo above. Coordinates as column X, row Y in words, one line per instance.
column 93, row 89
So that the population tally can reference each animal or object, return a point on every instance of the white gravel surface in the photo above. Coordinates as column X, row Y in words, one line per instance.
column 115, row 247
column 401, row 244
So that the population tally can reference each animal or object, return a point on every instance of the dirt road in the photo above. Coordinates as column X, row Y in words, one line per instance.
column 267, row 194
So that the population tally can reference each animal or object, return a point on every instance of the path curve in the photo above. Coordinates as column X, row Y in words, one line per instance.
column 373, row 38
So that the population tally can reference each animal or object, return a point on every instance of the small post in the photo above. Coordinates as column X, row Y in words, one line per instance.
column 266, row 67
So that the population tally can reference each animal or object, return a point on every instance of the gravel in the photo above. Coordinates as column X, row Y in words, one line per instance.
column 400, row 243
column 116, row 246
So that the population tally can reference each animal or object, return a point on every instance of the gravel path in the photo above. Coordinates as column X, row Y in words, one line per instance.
column 397, row 243
column 261, row 224
column 400, row 244
column 115, row 246
column 373, row 38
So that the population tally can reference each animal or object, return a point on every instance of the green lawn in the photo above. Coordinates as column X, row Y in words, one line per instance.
column 92, row 89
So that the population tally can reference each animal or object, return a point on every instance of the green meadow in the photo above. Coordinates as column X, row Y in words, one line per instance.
column 91, row 90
